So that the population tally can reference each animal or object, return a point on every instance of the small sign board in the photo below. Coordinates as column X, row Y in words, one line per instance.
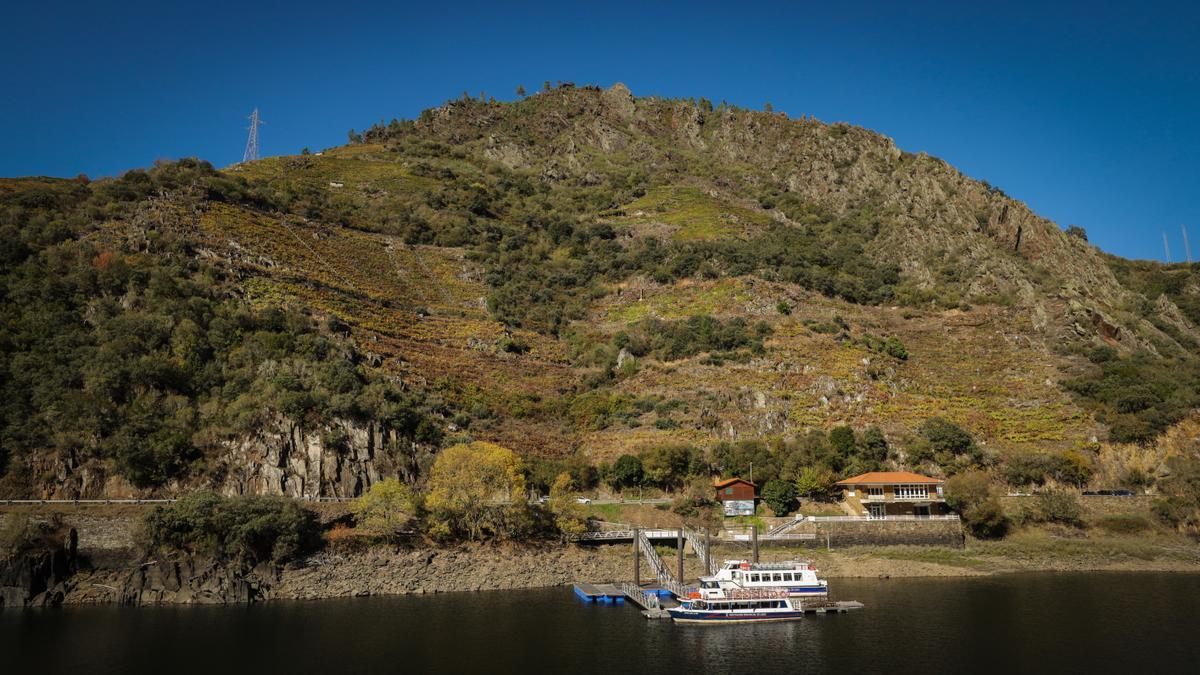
column 739, row 507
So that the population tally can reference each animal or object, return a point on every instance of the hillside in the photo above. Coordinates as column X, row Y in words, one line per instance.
column 577, row 275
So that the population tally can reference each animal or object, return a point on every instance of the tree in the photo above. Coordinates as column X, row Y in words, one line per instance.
column 476, row 490
column 970, row 494
column 521, row 90
column 844, row 445
column 874, row 446
column 947, row 444
column 1073, row 467
column 667, row 465
column 781, row 496
column 1077, row 232
column 627, row 472
column 967, row 489
column 569, row 516
column 815, row 483
column 386, row 508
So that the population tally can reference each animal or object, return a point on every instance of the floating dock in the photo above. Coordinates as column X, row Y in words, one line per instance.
column 602, row 594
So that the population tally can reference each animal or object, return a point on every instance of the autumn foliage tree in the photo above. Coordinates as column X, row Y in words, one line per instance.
column 477, row 491
column 386, row 508
column 569, row 517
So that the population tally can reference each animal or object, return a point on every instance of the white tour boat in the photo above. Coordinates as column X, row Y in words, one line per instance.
column 742, row 591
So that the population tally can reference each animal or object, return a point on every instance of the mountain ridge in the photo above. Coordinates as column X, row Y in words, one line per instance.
column 527, row 271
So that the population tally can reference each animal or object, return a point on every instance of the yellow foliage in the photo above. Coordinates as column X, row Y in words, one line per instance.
column 475, row 488
column 568, row 514
column 385, row 508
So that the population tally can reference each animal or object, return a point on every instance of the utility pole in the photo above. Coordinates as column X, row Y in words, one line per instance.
column 251, row 152
column 1187, row 249
column 1166, row 248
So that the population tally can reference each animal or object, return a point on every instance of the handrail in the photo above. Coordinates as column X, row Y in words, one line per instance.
column 783, row 527
column 698, row 547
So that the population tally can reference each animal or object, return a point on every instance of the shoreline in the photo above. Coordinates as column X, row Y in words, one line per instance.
column 387, row 571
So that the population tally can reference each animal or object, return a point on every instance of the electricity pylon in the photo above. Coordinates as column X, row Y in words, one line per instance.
column 251, row 153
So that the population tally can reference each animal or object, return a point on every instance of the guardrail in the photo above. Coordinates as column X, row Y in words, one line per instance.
column 87, row 501
column 840, row 519
column 146, row 501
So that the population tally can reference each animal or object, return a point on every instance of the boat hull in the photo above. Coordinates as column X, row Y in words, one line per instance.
column 728, row 617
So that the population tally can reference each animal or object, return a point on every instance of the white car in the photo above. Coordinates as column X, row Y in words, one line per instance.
column 582, row 500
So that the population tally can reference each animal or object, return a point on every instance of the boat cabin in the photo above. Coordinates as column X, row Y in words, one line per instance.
column 739, row 578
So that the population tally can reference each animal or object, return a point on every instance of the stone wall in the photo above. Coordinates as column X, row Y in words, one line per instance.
column 844, row 533
column 891, row 533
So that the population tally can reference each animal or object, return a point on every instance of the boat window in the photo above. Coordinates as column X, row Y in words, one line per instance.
column 787, row 576
column 777, row 577
column 753, row 578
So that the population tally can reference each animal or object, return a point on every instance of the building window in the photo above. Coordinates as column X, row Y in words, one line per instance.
column 874, row 492
column 728, row 490
column 912, row 491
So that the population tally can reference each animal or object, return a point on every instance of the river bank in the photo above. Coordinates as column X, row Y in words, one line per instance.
column 109, row 567
column 387, row 570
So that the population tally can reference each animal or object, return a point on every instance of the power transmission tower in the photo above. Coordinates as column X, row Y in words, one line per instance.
column 1187, row 249
column 1166, row 248
column 251, row 153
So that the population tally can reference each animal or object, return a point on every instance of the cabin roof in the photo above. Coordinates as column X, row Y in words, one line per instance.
column 889, row 478
column 730, row 481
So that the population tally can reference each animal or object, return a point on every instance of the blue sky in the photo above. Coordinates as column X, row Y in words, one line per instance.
column 1086, row 111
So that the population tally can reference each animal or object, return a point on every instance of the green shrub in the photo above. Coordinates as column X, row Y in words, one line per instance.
column 249, row 529
column 1056, row 506
column 986, row 520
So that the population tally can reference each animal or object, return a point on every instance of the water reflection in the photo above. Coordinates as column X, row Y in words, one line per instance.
column 1069, row 623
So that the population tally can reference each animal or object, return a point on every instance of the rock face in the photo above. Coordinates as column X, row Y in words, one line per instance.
column 194, row 580
column 341, row 460
column 37, row 578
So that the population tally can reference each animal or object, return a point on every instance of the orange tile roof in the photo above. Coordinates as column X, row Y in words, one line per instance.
column 731, row 481
column 888, row 478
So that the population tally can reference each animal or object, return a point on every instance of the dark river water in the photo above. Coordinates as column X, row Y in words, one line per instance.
column 1062, row 623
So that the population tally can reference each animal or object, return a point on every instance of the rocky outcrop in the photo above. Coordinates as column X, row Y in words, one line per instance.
column 38, row 577
column 340, row 460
